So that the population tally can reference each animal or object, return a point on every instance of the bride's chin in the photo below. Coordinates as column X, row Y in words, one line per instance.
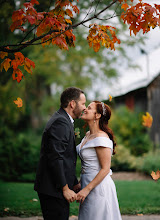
column 83, row 117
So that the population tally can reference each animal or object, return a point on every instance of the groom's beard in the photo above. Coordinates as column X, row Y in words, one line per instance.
column 77, row 112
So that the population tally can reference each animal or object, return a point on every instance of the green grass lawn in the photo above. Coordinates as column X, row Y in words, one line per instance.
column 134, row 197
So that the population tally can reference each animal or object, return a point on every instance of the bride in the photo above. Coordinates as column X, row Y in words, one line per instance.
column 98, row 198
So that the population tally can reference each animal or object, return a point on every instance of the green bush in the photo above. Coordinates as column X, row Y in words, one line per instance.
column 128, row 130
column 18, row 155
column 150, row 162
column 123, row 160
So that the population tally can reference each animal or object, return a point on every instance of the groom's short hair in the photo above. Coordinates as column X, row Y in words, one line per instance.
column 69, row 94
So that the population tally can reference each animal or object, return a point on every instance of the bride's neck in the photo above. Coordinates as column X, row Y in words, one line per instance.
column 93, row 127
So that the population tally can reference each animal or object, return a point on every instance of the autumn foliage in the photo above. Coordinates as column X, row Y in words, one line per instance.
column 56, row 27
column 18, row 102
column 147, row 120
column 155, row 175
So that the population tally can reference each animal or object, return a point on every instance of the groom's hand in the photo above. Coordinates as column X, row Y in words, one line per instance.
column 68, row 194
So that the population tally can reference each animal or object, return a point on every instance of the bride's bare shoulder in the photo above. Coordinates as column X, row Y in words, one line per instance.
column 103, row 134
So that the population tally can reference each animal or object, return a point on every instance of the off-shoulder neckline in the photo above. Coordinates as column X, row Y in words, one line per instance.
column 92, row 140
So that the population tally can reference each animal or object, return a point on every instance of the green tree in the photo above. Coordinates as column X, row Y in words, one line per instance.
column 128, row 129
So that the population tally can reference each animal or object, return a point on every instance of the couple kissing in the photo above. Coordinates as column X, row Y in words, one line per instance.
column 56, row 182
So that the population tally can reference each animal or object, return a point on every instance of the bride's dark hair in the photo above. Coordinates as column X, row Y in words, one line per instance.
column 105, row 112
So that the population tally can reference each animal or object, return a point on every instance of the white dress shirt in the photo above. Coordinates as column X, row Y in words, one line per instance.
column 71, row 119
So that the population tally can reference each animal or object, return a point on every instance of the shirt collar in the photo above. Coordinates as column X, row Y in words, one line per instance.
column 70, row 118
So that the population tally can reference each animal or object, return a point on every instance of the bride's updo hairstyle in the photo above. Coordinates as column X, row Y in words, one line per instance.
column 105, row 112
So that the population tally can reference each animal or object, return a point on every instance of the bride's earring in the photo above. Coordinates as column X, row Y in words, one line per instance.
column 94, row 120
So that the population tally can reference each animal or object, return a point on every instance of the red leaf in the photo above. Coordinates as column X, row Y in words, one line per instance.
column 17, row 75
column 34, row 2
column 40, row 16
column 31, row 19
column 18, row 15
column 15, row 64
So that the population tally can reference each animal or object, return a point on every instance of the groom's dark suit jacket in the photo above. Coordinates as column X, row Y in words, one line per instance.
column 57, row 157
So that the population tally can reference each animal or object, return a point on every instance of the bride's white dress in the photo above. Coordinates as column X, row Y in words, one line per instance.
column 102, row 202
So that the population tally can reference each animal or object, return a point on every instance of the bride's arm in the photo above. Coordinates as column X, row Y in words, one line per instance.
column 104, row 156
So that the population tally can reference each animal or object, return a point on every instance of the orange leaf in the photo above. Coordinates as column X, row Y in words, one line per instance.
column 18, row 102
column 68, row 21
column 69, row 13
column 5, row 64
column 125, row 6
column 15, row 64
column 28, row 64
column 3, row 54
column 19, row 56
column 147, row 120
column 110, row 98
column 96, row 47
column 17, row 75
column 156, row 175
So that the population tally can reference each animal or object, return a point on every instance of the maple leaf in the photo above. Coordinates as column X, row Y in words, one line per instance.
column 3, row 54
column 68, row 21
column 75, row 9
column 147, row 120
column 31, row 19
column 34, row 2
column 5, row 64
column 18, row 102
column 17, row 75
column 69, row 13
column 15, row 64
column 156, row 175
column 125, row 6
column 20, row 57
column 96, row 46
column 141, row 16
column 40, row 16
column 18, row 15
column 16, row 25
column 61, row 42
column 102, row 34
column 28, row 64
column 110, row 98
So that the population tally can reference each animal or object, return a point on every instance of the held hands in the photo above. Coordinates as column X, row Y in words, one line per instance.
column 71, row 196
column 68, row 194
column 82, row 194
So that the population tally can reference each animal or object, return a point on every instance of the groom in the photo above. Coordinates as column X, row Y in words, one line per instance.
column 55, row 179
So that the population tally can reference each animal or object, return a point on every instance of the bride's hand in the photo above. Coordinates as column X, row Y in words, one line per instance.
column 82, row 194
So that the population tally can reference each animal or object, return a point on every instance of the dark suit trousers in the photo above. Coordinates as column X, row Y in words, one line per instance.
column 54, row 208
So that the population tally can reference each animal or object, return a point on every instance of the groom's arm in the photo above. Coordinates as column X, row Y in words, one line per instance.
column 58, row 139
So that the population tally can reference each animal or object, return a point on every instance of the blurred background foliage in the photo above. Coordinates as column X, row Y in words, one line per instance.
column 21, row 128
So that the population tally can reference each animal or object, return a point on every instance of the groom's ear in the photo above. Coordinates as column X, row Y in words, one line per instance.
column 72, row 104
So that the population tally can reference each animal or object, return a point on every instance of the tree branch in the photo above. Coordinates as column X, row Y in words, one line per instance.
column 22, row 45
